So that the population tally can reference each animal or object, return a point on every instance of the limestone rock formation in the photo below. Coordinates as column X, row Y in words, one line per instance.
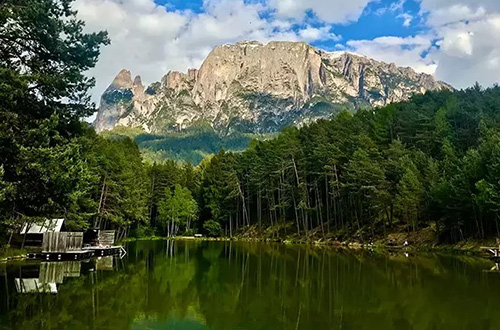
column 259, row 88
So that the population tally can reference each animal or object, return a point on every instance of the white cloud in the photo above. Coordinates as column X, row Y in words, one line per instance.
column 407, row 19
column 151, row 40
column 140, row 33
column 468, row 34
column 470, row 52
column 454, row 14
column 311, row 34
column 400, row 51
column 331, row 11
column 460, row 45
column 458, row 9
column 397, row 6
column 393, row 7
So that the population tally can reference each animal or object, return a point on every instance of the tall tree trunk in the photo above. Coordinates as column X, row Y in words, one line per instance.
column 230, row 225
column 242, row 195
column 101, row 200
column 318, row 206
column 327, row 201
column 259, row 207
column 152, row 199
column 296, row 213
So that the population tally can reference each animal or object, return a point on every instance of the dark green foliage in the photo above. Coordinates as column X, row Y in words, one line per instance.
column 123, row 185
column 43, row 96
column 192, row 146
column 172, row 195
column 213, row 228
column 323, row 108
column 208, row 142
column 52, row 164
column 431, row 160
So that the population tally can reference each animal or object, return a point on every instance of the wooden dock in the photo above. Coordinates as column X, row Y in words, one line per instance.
column 495, row 253
column 107, row 251
column 87, row 253
column 69, row 246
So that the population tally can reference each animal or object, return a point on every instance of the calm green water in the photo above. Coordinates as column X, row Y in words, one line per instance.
column 222, row 285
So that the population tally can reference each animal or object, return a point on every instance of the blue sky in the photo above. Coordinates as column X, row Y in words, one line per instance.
column 378, row 19
column 457, row 41
column 194, row 5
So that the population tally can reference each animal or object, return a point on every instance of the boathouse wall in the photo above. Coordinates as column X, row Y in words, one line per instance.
column 62, row 242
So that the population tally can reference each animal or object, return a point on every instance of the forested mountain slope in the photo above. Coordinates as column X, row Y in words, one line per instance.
column 191, row 145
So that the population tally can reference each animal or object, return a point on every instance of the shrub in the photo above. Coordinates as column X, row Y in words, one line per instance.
column 213, row 228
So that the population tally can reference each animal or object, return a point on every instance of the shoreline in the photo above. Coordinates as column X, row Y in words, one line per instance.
column 11, row 254
column 472, row 248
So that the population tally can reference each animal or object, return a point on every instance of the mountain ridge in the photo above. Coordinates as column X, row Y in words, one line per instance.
column 252, row 87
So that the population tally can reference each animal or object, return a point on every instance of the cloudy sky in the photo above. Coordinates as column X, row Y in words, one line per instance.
column 456, row 40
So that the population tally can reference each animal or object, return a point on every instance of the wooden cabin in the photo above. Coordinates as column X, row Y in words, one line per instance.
column 97, row 237
column 60, row 245
column 62, row 242
column 31, row 234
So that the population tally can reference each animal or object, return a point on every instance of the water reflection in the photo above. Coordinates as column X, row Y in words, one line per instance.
column 227, row 285
column 50, row 275
column 45, row 277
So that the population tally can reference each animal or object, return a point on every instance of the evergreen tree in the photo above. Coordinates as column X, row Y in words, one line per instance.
column 43, row 95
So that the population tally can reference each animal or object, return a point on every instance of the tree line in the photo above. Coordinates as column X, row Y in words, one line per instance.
column 433, row 161
column 52, row 163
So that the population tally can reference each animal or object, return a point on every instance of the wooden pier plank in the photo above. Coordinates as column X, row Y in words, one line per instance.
column 77, row 255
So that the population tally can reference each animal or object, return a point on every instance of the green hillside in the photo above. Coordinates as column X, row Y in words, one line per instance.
column 192, row 146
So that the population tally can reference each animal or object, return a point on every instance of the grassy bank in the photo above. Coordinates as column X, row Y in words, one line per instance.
column 8, row 253
column 425, row 239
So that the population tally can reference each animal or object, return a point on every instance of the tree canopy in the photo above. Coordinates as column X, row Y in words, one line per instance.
column 44, row 55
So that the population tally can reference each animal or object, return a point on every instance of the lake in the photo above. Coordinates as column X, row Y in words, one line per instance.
column 233, row 285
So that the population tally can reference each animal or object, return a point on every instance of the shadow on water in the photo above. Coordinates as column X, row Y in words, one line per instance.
column 233, row 285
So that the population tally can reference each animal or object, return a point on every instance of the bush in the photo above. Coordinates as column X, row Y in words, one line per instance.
column 189, row 232
column 142, row 232
column 213, row 228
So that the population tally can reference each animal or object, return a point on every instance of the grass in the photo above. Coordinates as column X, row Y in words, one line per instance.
column 7, row 253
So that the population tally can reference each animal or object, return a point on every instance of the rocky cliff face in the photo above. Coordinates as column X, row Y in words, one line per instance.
column 252, row 87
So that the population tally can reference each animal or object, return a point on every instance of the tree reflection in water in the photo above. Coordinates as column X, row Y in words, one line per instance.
column 230, row 285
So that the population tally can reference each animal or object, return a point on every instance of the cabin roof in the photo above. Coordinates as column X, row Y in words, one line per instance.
column 48, row 226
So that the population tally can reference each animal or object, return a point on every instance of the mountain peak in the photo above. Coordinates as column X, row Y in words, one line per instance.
column 258, row 88
column 137, row 81
column 344, row 53
column 123, row 80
